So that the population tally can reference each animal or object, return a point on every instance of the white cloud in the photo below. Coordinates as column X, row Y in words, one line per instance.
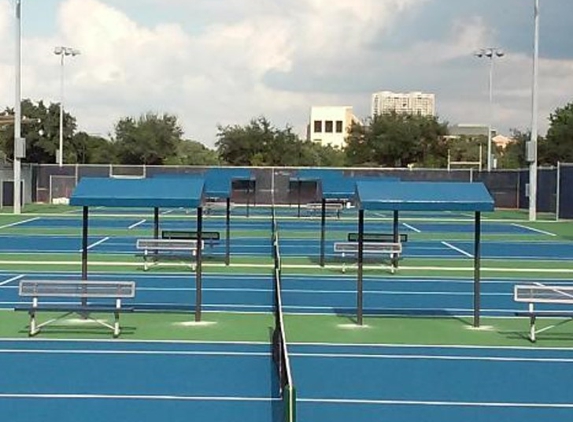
column 227, row 61
column 215, row 76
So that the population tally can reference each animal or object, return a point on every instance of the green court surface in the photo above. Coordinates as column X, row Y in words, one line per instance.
column 245, row 327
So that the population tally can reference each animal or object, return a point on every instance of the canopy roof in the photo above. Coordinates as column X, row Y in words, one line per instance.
column 423, row 196
column 316, row 174
column 345, row 187
column 154, row 192
column 219, row 181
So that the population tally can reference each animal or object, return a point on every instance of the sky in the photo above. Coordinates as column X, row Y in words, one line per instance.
column 224, row 62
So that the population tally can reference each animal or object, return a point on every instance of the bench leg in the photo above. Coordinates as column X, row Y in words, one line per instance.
column 116, row 329
column 532, row 328
column 33, row 324
column 343, row 263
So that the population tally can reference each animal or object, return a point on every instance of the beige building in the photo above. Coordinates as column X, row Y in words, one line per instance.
column 403, row 103
column 329, row 125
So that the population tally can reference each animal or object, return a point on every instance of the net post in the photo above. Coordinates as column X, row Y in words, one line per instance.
column 289, row 400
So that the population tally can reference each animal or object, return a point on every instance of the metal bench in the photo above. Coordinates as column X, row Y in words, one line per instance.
column 210, row 239
column 155, row 250
column 542, row 294
column 316, row 207
column 377, row 237
column 82, row 291
column 393, row 250
column 213, row 205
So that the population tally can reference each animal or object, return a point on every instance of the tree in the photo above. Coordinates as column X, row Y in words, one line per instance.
column 558, row 145
column 396, row 140
column 467, row 148
column 151, row 139
column 194, row 153
column 41, row 129
column 257, row 144
column 91, row 149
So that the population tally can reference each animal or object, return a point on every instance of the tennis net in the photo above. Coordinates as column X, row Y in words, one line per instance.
column 280, row 350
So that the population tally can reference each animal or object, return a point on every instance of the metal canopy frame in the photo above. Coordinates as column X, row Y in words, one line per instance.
column 133, row 193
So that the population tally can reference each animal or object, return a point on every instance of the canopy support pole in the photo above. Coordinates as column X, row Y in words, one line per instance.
column 360, row 287
column 198, row 262
column 155, row 222
column 228, row 234
column 477, row 262
column 322, row 231
column 85, row 218
column 299, row 184
column 396, row 238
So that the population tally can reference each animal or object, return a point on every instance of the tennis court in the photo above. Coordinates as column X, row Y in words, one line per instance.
column 417, row 357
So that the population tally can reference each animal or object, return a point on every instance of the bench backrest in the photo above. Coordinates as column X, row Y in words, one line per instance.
column 167, row 244
column 329, row 206
column 541, row 293
column 77, row 288
column 189, row 235
column 378, row 237
column 369, row 247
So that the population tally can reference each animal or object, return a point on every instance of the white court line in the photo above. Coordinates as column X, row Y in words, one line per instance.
column 18, row 277
column 136, row 224
column 412, row 227
column 167, row 212
column 99, row 242
column 132, row 352
column 521, row 226
column 134, row 397
column 440, row 403
column 17, row 223
column 431, row 357
column 469, row 255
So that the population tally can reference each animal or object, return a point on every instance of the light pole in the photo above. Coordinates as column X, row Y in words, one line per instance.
column 531, row 152
column 491, row 53
column 63, row 52
column 19, row 147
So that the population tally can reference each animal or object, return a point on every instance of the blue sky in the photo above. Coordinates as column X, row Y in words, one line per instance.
column 223, row 62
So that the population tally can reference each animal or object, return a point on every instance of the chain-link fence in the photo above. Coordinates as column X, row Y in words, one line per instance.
column 509, row 188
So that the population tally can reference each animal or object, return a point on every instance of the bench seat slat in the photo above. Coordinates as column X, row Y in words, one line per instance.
column 77, row 289
column 189, row 235
column 369, row 247
column 378, row 237
column 73, row 308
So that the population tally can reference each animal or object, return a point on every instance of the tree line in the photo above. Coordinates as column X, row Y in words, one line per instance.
column 389, row 140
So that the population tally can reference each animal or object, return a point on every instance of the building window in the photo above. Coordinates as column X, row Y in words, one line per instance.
column 318, row 126
column 339, row 126
column 328, row 127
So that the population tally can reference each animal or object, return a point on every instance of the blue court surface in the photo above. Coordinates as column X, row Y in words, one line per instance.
column 293, row 247
column 443, row 384
column 330, row 295
column 136, row 381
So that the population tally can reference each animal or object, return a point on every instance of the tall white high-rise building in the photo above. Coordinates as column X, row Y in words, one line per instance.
column 403, row 103
column 329, row 125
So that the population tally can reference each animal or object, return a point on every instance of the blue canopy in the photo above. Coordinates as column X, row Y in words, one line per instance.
column 153, row 192
column 219, row 181
column 345, row 187
column 316, row 174
column 423, row 196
